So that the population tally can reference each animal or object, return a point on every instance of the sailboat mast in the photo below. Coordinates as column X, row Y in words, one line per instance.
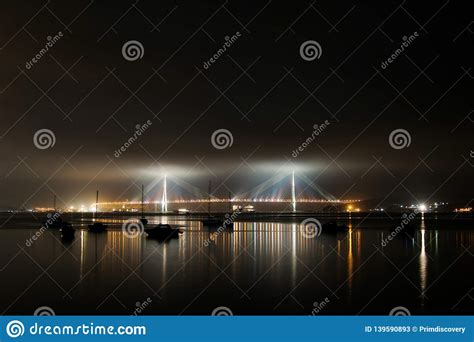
column 209, row 199
column 142, row 200
column 96, row 200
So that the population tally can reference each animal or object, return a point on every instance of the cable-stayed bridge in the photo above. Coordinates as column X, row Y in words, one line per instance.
column 160, row 194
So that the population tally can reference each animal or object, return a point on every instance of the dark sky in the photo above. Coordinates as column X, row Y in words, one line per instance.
column 260, row 89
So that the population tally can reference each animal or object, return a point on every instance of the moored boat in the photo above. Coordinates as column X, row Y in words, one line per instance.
column 162, row 232
column 97, row 227
column 332, row 227
column 67, row 231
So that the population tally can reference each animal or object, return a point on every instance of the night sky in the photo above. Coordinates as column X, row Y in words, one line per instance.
column 260, row 89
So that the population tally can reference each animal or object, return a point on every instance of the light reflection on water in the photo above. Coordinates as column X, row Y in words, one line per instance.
column 423, row 260
column 259, row 268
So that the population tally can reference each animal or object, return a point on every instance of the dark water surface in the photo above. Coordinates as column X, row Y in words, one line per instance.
column 259, row 268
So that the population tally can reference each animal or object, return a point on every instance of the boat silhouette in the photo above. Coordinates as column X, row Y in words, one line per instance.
column 162, row 232
column 143, row 220
column 53, row 218
column 214, row 222
column 54, row 223
column 97, row 227
column 332, row 227
column 67, row 231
